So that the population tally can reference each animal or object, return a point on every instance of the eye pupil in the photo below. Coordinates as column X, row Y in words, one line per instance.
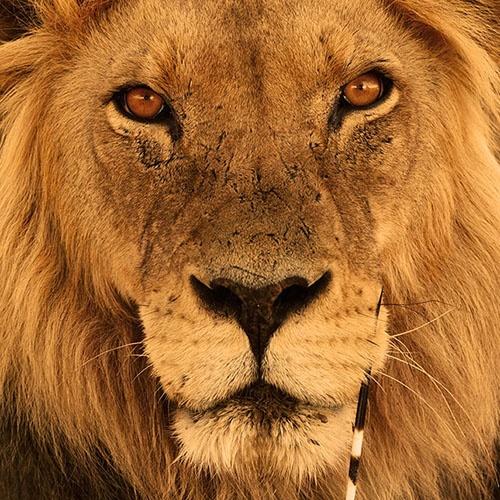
column 143, row 103
column 364, row 90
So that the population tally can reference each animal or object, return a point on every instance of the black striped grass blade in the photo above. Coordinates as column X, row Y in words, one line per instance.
column 357, row 440
column 359, row 425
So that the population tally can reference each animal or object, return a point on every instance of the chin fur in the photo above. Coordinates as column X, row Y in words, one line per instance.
column 297, row 442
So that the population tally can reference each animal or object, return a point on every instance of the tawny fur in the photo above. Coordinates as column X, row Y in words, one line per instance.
column 82, row 422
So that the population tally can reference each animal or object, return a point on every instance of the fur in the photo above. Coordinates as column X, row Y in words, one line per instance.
column 106, row 392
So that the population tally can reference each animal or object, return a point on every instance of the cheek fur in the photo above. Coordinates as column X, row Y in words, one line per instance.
column 198, row 362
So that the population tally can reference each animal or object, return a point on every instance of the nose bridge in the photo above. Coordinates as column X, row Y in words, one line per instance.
column 262, row 162
column 253, row 172
column 266, row 221
column 261, row 239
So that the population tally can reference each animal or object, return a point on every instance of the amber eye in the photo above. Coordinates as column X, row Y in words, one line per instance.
column 142, row 103
column 364, row 90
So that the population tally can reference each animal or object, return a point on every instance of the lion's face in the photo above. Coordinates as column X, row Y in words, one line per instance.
column 250, row 226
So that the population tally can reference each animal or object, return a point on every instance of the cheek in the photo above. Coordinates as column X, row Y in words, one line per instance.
column 375, row 158
column 198, row 359
column 322, row 358
column 137, row 193
column 369, row 174
column 143, row 173
column 127, row 187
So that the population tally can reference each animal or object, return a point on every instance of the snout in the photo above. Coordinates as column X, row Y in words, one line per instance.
column 259, row 311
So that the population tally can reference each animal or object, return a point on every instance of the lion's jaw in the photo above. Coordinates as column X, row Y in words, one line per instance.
column 265, row 432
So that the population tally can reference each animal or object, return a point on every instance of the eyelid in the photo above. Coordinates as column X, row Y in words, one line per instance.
column 380, row 70
column 111, row 94
column 389, row 68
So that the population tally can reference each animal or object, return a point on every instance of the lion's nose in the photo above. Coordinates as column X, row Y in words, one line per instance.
column 259, row 311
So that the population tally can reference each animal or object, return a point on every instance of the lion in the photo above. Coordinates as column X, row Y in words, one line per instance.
column 204, row 205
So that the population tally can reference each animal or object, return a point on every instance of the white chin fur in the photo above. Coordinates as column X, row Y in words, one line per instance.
column 240, row 438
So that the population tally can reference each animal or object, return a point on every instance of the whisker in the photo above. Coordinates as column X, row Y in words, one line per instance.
column 402, row 348
column 373, row 318
column 373, row 379
column 435, row 301
column 420, row 313
column 423, row 325
column 397, row 350
column 164, row 397
column 147, row 314
column 110, row 350
column 419, row 396
column 481, row 440
column 438, row 384
column 147, row 367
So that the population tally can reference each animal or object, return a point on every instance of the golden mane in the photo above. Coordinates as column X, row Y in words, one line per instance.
column 433, row 422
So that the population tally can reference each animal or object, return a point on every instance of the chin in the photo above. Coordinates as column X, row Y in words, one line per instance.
column 263, row 431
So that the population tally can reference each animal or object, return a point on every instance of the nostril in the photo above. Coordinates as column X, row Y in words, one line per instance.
column 297, row 297
column 259, row 311
column 218, row 298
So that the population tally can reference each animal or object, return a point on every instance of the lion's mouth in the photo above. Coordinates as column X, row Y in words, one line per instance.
column 262, row 402
column 262, row 393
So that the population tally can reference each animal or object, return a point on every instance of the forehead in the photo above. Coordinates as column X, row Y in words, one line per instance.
column 238, row 37
column 266, row 21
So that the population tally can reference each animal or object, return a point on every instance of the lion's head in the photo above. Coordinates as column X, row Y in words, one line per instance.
column 202, row 203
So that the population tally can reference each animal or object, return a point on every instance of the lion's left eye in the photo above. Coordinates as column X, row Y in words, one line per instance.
column 364, row 90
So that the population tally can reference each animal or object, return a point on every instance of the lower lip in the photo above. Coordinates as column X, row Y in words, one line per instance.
column 266, row 397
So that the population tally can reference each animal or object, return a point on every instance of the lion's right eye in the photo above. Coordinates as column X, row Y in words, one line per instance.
column 142, row 103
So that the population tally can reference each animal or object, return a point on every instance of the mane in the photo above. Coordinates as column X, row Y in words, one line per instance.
column 100, row 416
column 441, row 279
